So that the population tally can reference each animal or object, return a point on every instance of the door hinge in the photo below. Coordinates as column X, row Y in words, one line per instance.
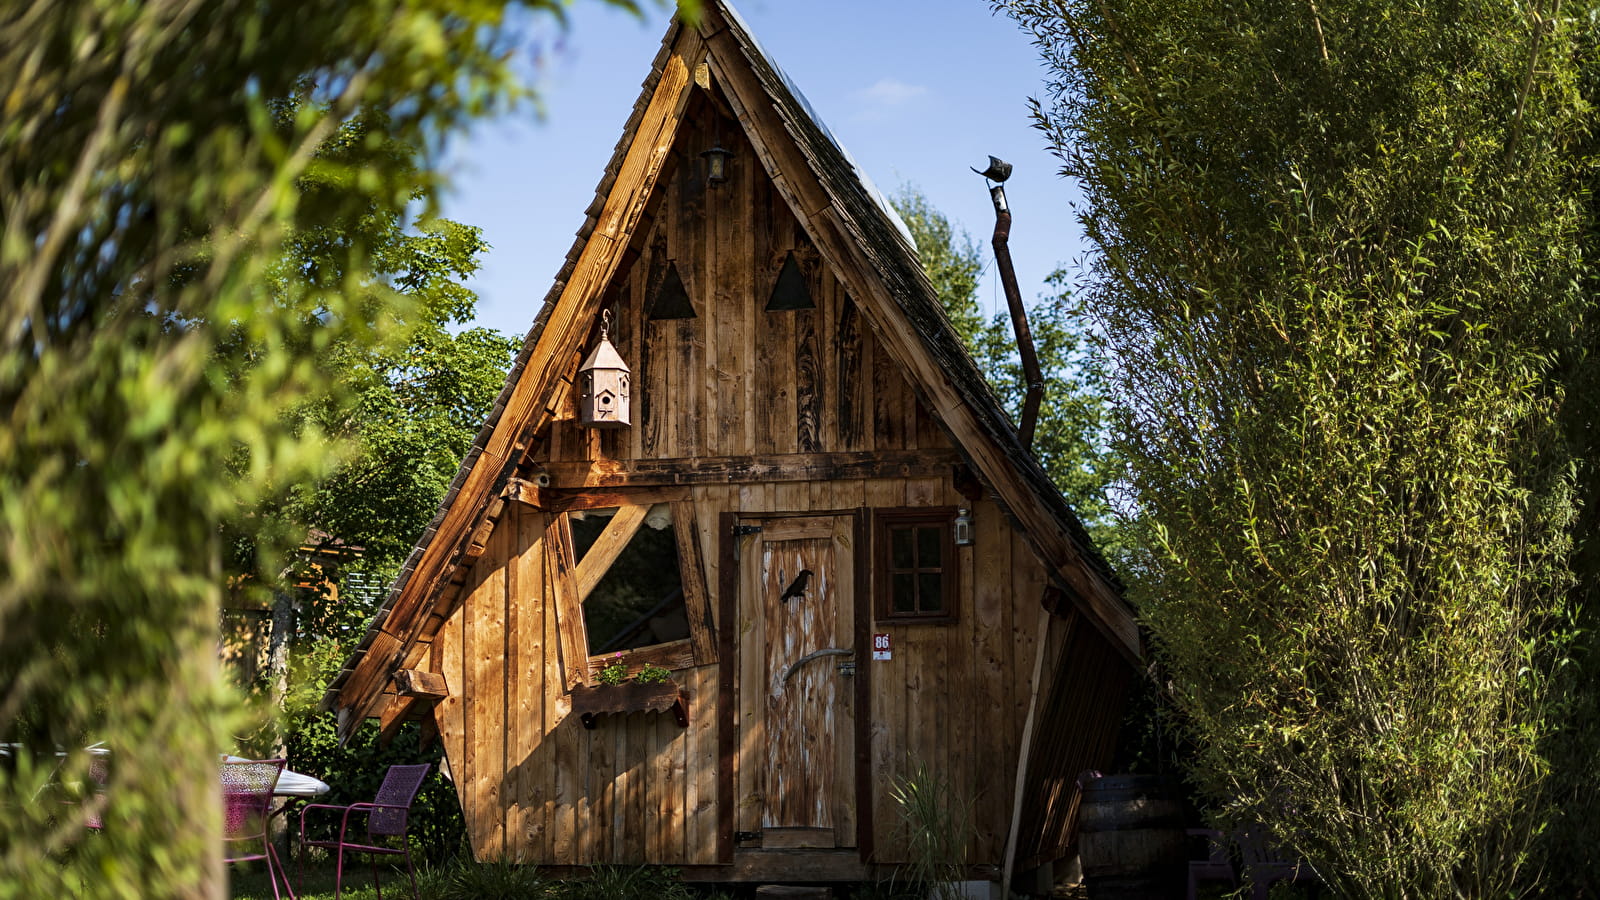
column 740, row 531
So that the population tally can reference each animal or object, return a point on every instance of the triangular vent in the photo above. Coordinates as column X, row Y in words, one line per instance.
column 671, row 300
column 790, row 291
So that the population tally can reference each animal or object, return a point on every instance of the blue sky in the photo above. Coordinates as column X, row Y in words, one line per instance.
column 916, row 91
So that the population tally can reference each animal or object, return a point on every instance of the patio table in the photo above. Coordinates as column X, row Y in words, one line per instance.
column 293, row 784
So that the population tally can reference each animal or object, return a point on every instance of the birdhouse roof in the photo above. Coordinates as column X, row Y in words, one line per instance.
column 604, row 356
column 860, row 237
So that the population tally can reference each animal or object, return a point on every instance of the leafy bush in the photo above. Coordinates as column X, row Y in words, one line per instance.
column 1338, row 268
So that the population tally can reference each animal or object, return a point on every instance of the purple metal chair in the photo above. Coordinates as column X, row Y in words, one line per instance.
column 99, row 773
column 1265, row 863
column 1217, row 866
column 387, row 817
column 246, row 808
column 89, row 795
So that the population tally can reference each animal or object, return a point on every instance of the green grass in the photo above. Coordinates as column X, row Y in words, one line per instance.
column 475, row 881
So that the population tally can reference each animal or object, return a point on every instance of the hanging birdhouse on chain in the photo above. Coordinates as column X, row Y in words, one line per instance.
column 603, row 384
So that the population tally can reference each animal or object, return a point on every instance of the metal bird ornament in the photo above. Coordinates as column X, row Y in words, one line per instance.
column 999, row 170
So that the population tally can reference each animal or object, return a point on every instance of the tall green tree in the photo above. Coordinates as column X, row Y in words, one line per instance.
column 148, row 182
column 1337, row 261
column 1071, row 438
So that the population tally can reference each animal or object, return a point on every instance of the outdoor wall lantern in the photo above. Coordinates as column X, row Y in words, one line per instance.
column 963, row 528
column 717, row 163
column 603, row 382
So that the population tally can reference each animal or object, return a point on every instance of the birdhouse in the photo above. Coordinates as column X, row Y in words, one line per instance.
column 603, row 385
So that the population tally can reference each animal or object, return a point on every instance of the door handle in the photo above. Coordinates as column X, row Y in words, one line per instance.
column 815, row 654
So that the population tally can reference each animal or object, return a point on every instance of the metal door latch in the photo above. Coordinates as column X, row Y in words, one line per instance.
column 848, row 668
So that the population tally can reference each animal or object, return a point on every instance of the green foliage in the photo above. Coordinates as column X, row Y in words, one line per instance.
column 1070, row 437
column 614, row 672
column 470, row 880
column 1338, row 260
column 156, row 162
column 620, row 883
column 653, row 674
column 415, row 408
column 937, row 821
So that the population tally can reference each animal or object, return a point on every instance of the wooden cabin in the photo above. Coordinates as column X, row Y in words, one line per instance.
column 777, row 475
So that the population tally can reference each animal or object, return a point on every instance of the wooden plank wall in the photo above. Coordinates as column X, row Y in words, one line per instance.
column 737, row 380
column 955, row 697
column 535, row 785
column 1078, row 725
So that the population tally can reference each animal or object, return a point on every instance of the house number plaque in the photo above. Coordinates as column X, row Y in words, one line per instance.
column 880, row 646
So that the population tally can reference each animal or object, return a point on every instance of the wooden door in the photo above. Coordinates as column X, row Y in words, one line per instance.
column 796, row 693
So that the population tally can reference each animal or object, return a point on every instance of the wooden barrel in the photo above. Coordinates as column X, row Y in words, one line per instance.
column 1131, row 839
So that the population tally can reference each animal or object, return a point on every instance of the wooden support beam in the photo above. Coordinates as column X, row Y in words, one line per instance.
column 696, row 598
column 418, row 683
column 558, row 501
column 572, row 476
column 572, row 637
column 521, row 490
column 397, row 713
column 430, row 732
column 607, row 547
column 1023, row 754
column 481, row 535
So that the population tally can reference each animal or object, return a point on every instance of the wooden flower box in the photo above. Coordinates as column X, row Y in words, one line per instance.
column 591, row 702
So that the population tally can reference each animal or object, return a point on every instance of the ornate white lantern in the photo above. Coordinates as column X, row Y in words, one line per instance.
column 603, row 384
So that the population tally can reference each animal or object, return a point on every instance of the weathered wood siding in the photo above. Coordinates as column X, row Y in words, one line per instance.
column 955, row 697
column 737, row 380
column 535, row 785
column 1079, row 719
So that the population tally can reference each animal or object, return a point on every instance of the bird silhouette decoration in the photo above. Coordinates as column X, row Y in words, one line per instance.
column 797, row 587
column 999, row 170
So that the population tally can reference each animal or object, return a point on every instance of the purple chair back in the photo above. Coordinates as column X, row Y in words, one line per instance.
column 399, row 788
column 247, row 799
column 99, row 773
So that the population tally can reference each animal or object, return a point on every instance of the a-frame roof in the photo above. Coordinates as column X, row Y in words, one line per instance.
column 859, row 237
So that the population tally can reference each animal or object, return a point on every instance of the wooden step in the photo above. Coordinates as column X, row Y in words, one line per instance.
column 794, row 892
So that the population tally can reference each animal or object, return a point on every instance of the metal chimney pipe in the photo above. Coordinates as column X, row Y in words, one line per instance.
column 998, row 171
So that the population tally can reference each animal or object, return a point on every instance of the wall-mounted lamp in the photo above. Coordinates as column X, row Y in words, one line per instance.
column 717, row 163
column 963, row 528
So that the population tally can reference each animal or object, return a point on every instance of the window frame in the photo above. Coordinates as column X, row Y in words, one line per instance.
column 886, row 520
column 565, row 594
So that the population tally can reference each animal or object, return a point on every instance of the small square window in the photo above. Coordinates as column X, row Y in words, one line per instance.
column 916, row 560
